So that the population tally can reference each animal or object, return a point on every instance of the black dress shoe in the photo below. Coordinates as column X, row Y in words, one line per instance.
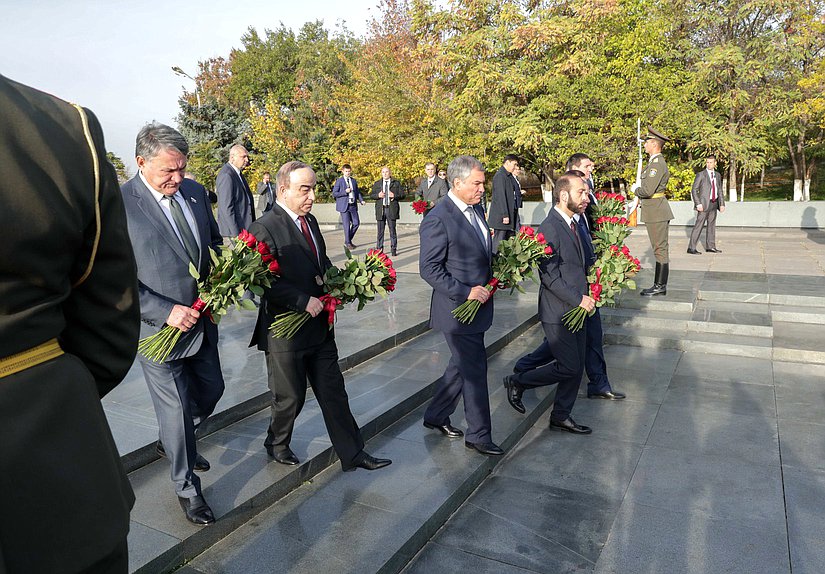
column 657, row 289
column 609, row 395
column 286, row 456
column 370, row 463
column 714, row 250
column 514, row 392
column 201, row 464
column 394, row 253
column 693, row 251
column 485, row 448
column 570, row 425
column 196, row 510
column 447, row 430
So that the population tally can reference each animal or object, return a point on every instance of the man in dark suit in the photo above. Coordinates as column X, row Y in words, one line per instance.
column 171, row 226
column 266, row 195
column 347, row 197
column 68, row 302
column 708, row 201
column 563, row 287
column 455, row 260
column 505, row 202
column 598, row 385
column 236, row 209
column 293, row 237
column 387, row 191
column 432, row 188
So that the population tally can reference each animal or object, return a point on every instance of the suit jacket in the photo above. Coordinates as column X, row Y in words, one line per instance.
column 654, row 182
column 395, row 187
column 234, row 202
column 700, row 192
column 503, row 203
column 163, row 263
column 452, row 260
column 57, row 456
column 432, row 193
column 299, row 280
column 266, row 196
column 341, row 195
column 563, row 276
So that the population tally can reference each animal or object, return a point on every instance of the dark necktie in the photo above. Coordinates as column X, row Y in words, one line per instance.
column 712, row 187
column 308, row 235
column 186, row 235
column 578, row 239
column 474, row 222
column 386, row 193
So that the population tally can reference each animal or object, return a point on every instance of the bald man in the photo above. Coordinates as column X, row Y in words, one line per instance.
column 236, row 208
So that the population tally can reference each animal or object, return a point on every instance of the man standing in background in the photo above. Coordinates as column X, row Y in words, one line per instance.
column 266, row 196
column 387, row 191
column 347, row 197
column 708, row 201
column 431, row 189
column 235, row 205
column 505, row 202
column 656, row 213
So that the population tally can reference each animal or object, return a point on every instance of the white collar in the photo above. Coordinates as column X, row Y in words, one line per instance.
column 291, row 213
column 567, row 219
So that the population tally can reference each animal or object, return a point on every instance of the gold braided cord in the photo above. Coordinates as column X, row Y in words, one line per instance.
column 29, row 358
column 96, row 164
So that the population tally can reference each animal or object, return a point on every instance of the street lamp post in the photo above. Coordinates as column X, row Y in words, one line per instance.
column 180, row 72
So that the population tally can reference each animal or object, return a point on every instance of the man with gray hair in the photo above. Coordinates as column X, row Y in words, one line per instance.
column 456, row 261
column 236, row 208
column 171, row 227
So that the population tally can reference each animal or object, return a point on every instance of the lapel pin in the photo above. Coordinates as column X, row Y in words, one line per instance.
column 193, row 200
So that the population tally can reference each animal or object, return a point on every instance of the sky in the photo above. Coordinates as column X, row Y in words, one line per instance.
column 115, row 57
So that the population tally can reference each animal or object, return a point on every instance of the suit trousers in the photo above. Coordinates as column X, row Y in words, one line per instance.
column 117, row 562
column 350, row 222
column 594, row 363
column 184, row 393
column 566, row 371
column 708, row 216
column 379, row 242
column 289, row 372
column 466, row 376
column 657, row 233
column 500, row 235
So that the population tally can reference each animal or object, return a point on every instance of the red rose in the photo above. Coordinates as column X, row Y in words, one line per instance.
column 614, row 249
column 548, row 250
column 263, row 248
column 625, row 250
column 250, row 240
column 596, row 291
column 391, row 272
column 275, row 267
column 540, row 238
column 242, row 235
column 267, row 258
column 529, row 231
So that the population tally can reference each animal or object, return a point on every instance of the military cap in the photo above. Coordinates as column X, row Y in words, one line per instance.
column 654, row 135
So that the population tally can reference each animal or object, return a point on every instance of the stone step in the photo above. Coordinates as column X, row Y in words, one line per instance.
column 761, row 297
column 681, row 340
column 698, row 321
column 243, row 481
column 681, row 300
column 798, row 314
column 376, row 522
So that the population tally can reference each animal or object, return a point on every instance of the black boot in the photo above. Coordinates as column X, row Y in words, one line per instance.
column 659, row 281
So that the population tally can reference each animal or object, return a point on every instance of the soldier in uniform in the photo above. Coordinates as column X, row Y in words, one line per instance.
column 656, row 213
column 69, row 322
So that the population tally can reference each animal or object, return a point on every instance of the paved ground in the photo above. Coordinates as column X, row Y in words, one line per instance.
column 714, row 463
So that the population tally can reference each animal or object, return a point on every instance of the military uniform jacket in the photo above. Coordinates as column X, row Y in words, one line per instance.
column 654, row 181
column 64, row 498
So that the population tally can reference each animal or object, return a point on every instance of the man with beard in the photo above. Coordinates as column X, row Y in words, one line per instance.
column 563, row 286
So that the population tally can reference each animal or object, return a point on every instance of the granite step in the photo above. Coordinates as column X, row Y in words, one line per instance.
column 700, row 320
column 682, row 340
column 243, row 481
column 376, row 522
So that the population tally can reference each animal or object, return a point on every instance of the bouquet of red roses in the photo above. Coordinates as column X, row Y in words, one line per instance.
column 244, row 265
column 359, row 280
column 420, row 206
column 613, row 271
column 513, row 263
column 611, row 225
